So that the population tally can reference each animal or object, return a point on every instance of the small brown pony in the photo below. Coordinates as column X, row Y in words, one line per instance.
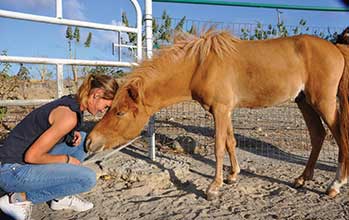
column 222, row 72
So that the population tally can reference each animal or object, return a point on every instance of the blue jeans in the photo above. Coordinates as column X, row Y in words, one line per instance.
column 45, row 182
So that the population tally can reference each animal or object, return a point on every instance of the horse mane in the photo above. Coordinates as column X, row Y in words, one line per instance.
column 221, row 43
column 186, row 46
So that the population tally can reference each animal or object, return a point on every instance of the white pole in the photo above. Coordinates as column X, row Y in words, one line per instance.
column 149, row 27
column 149, row 46
column 62, row 21
column 139, row 29
column 59, row 11
column 45, row 60
column 59, row 80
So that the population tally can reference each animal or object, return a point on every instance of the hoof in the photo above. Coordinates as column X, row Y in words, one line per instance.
column 212, row 195
column 332, row 193
column 231, row 181
column 298, row 183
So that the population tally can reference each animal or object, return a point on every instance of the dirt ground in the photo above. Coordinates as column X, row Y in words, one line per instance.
column 271, row 153
column 173, row 187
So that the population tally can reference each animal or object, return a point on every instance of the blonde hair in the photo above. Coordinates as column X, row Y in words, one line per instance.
column 91, row 82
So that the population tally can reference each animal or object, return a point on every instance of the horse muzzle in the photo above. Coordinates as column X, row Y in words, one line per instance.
column 94, row 145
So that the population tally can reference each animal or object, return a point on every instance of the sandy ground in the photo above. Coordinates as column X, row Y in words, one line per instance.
column 130, row 186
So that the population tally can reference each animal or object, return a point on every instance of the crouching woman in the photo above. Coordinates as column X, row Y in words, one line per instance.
column 41, row 158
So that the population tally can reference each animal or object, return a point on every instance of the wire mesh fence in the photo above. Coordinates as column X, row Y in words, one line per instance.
column 277, row 132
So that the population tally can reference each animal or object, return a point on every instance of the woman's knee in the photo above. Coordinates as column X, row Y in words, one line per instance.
column 88, row 177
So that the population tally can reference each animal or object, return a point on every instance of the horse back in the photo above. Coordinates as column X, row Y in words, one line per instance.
column 267, row 72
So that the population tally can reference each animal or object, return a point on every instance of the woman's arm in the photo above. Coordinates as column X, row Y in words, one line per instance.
column 62, row 121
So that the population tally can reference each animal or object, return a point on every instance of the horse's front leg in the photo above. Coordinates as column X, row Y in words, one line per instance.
column 231, row 147
column 221, row 119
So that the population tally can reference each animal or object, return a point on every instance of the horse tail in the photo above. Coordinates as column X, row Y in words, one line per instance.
column 343, row 95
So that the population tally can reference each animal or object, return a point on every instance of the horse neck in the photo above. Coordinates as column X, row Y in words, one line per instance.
column 170, row 86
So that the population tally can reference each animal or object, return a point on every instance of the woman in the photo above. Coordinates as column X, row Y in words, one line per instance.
column 40, row 159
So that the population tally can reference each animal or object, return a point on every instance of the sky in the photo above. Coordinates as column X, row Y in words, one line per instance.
column 23, row 38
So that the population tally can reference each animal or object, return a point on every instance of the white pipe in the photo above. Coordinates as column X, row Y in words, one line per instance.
column 24, row 102
column 149, row 28
column 59, row 68
column 44, row 60
column 149, row 48
column 59, row 11
column 51, row 20
column 139, row 30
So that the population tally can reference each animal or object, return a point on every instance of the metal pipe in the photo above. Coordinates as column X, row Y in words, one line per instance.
column 148, row 28
column 59, row 69
column 24, row 102
column 257, row 5
column 138, row 30
column 59, row 11
column 149, row 51
column 44, row 60
column 62, row 21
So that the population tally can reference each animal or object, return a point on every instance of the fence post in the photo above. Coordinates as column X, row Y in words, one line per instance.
column 149, row 46
column 59, row 80
column 59, row 13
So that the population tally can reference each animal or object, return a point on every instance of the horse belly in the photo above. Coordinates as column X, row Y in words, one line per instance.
column 268, row 94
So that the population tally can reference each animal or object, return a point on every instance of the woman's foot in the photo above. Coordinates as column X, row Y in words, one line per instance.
column 71, row 202
column 17, row 210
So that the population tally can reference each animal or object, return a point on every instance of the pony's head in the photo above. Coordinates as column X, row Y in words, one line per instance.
column 124, row 120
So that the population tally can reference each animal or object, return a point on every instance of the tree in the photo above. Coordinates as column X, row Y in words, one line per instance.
column 131, row 36
column 111, row 71
column 44, row 72
column 162, row 32
column 193, row 30
column 88, row 40
column 165, row 30
column 281, row 30
column 74, row 40
column 179, row 26
column 23, row 72
column 6, row 66
column 69, row 35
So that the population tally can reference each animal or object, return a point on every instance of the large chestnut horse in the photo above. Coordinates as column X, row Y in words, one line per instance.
column 222, row 72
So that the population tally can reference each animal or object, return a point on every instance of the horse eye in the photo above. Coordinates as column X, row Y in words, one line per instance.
column 120, row 113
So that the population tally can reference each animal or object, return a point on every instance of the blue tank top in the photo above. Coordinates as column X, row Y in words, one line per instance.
column 32, row 126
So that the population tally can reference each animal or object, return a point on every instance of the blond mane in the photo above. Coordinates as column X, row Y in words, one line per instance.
column 187, row 46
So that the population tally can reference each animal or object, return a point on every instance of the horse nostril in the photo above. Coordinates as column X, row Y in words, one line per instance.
column 88, row 143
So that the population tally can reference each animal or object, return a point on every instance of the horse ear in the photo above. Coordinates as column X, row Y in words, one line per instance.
column 133, row 93
column 131, row 98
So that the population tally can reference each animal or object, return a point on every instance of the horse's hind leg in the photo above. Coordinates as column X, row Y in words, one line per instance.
column 317, row 135
column 231, row 146
column 327, row 108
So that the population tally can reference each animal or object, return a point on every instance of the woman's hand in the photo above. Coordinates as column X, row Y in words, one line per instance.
column 77, row 138
column 73, row 160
